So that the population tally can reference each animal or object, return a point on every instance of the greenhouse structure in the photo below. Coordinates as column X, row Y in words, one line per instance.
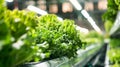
column 59, row 33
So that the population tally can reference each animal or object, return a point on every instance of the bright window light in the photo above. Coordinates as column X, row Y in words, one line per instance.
column 9, row 0
column 67, row 7
column 53, row 8
column 37, row 10
column 89, row 6
column 76, row 4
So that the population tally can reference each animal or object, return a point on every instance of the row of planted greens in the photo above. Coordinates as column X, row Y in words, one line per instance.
column 25, row 37
column 114, row 53
column 109, row 17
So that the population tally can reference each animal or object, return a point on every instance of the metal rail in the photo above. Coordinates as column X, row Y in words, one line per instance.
column 84, row 57
column 116, row 25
